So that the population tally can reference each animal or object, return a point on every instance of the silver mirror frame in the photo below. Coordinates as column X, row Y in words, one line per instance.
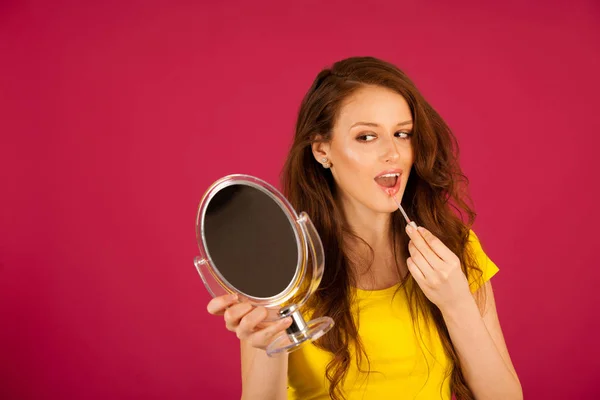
column 290, row 213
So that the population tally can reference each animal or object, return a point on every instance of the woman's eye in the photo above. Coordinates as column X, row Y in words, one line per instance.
column 404, row 135
column 367, row 137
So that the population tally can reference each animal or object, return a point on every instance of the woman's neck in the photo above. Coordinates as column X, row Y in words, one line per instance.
column 376, row 269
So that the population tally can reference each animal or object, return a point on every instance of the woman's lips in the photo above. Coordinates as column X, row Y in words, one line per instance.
column 388, row 180
column 391, row 189
column 385, row 180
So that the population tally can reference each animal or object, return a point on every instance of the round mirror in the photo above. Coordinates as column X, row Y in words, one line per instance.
column 245, row 219
column 254, row 244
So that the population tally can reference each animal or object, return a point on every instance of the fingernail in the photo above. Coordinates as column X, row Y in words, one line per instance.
column 286, row 320
column 233, row 297
column 414, row 224
column 421, row 229
column 409, row 229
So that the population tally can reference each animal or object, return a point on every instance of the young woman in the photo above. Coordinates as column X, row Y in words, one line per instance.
column 414, row 308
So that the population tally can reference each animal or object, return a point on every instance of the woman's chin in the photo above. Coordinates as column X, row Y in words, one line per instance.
column 386, row 207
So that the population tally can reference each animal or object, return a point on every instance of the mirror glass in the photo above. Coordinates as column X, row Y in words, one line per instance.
column 251, row 241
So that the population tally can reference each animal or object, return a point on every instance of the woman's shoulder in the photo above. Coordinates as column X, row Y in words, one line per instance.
column 486, row 268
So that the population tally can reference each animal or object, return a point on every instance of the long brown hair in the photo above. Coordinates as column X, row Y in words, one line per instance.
column 435, row 197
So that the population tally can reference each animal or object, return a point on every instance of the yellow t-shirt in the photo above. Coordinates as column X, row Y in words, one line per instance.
column 403, row 365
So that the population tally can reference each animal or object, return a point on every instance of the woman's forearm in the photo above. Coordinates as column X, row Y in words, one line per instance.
column 263, row 377
column 485, row 371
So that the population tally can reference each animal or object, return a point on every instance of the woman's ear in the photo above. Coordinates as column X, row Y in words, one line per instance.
column 320, row 150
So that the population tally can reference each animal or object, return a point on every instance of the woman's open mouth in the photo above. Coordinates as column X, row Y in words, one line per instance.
column 389, row 182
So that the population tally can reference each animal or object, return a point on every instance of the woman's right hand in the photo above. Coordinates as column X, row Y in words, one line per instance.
column 247, row 321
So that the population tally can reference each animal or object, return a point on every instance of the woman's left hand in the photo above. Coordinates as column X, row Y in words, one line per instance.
column 436, row 269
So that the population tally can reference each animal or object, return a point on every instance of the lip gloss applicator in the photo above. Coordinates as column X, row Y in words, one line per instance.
column 408, row 221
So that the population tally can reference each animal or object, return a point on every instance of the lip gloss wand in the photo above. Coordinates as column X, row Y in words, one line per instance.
column 408, row 221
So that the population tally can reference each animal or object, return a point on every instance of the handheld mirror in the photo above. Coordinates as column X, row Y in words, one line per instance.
column 254, row 244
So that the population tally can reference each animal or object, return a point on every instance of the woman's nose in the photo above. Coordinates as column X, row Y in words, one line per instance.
column 390, row 150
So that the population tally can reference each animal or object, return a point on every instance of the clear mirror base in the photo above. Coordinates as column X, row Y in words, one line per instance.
column 287, row 343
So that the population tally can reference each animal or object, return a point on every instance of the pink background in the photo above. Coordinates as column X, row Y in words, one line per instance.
column 115, row 118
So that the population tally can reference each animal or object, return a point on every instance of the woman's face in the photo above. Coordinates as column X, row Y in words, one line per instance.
column 370, row 150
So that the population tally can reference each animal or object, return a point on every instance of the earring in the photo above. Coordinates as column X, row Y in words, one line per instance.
column 326, row 164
